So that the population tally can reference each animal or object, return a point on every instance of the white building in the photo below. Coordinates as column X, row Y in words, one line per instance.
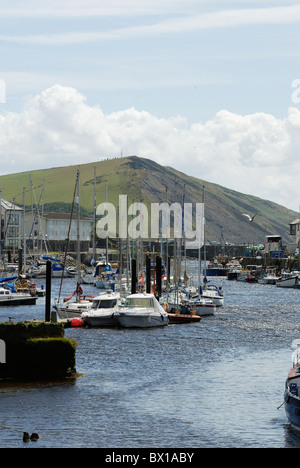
column 56, row 230
column 295, row 234
column 11, row 219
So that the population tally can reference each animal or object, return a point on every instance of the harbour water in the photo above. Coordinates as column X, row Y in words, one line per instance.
column 216, row 383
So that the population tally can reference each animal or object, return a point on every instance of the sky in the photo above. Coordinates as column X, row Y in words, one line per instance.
column 209, row 87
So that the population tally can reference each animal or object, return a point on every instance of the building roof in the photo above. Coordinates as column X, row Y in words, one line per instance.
column 297, row 221
column 8, row 206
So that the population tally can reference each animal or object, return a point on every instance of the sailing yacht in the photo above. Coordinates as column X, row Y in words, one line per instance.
column 208, row 292
column 82, row 304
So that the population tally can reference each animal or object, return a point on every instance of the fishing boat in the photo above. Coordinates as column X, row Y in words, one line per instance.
column 269, row 277
column 288, row 280
column 215, row 269
column 246, row 276
column 103, row 310
column 233, row 269
column 292, row 392
column 142, row 310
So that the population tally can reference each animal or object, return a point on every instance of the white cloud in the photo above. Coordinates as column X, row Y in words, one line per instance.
column 256, row 153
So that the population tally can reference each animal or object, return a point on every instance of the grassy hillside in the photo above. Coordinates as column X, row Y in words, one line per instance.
column 146, row 181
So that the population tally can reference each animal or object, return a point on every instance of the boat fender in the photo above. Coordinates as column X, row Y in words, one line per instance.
column 76, row 322
column 166, row 306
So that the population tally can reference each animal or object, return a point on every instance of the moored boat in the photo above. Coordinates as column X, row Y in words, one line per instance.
column 288, row 280
column 74, row 309
column 292, row 392
column 215, row 269
column 269, row 277
column 178, row 317
column 103, row 310
column 9, row 297
column 203, row 307
column 142, row 311
column 213, row 293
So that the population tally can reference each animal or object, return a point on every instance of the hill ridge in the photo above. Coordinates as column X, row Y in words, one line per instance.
column 148, row 181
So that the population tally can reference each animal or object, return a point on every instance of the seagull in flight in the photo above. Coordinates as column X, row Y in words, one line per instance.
column 251, row 218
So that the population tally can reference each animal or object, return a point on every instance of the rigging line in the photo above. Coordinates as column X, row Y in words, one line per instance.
column 28, row 190
column 68, row 238
column 35, row 216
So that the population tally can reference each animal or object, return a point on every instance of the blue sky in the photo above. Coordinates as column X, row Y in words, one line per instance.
column 202, row 85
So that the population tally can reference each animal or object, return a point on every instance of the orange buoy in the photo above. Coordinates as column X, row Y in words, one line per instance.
column 76, row 322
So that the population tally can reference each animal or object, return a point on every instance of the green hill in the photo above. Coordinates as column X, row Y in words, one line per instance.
column 146, row 181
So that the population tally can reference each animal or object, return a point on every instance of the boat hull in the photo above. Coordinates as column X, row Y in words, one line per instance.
column 183, row 318
column 292, row 409
column 216, row 272
column 136, row 320
column 218, row 301
column 288, row 283
column 18, row 301
column 204, row 309
column 104, row 321
column 72, row 311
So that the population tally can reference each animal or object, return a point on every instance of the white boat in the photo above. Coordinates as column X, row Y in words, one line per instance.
column 233, row 269
column 9, row 297
column 202, row 307
column 288, row 280
column 213, row 293
column 88, row 278
column 142, row 311
column 103, row 310
column 69, row 309
column 269, row 278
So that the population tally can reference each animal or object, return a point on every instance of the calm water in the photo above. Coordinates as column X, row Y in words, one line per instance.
column 216, row 383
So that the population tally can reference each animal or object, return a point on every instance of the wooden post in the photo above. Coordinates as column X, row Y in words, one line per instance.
column 158, row 277
column 133, row 276
column 148, row 275
column 48, row 291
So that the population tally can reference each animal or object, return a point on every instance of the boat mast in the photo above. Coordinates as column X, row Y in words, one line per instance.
column 204, row 249
column 94, row 233
column 24, row 238
column 78, row 240
column 107, row 227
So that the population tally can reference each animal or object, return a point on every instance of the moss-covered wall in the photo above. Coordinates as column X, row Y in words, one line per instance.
column 37, row 351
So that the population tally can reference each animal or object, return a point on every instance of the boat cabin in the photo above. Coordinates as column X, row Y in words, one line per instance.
column 139, row 302
column 104, row 303
column 5, row 292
